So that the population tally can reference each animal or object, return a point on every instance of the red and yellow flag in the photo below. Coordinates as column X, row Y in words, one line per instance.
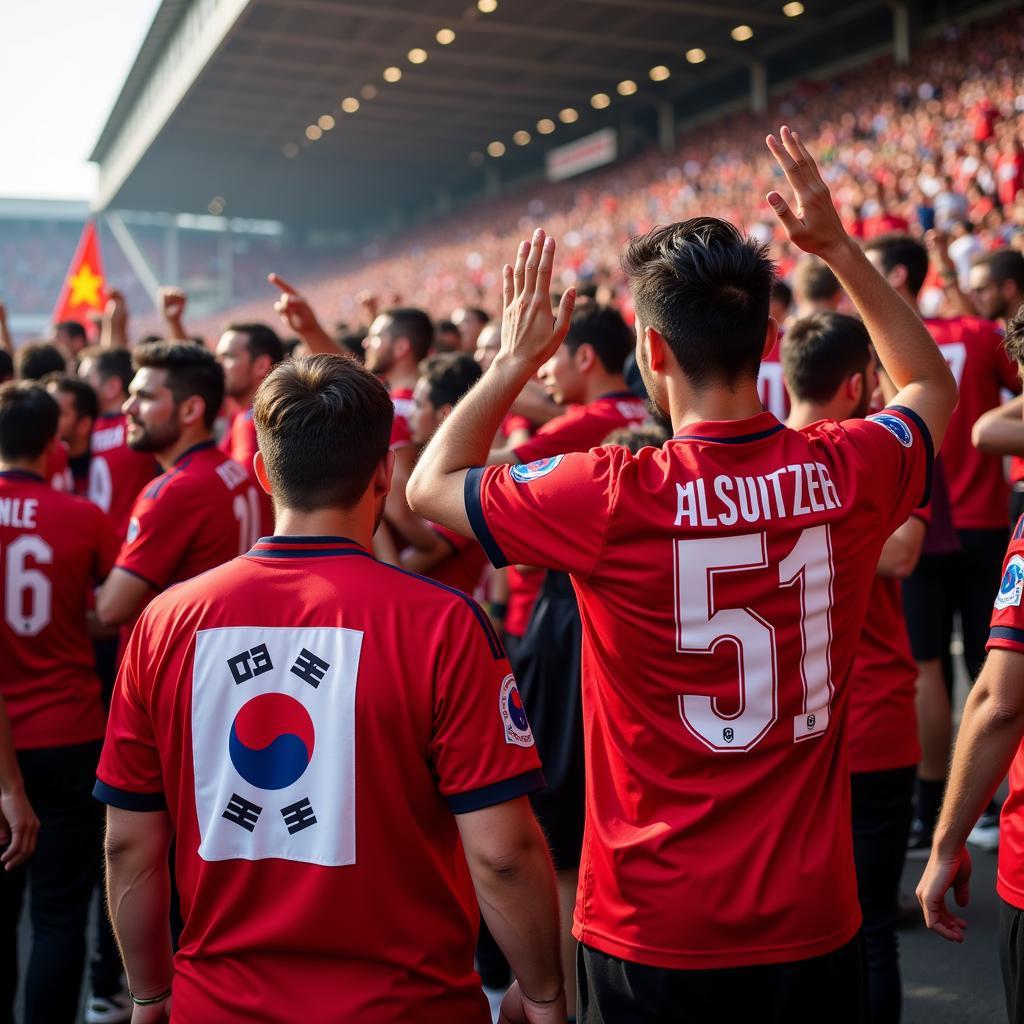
column 84, row 287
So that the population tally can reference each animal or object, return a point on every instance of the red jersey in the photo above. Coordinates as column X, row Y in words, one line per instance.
column 582, row 427
column 1007, row 634
column 883, row 682
column 973, row 348
column 203, row 511
column 53, row 548
column 722, row 582
column 401, row 433
column 524, row 585
column 313, row 719
column 58, row 470
column 116, row 472
column 464, row 567
column 242, row 447
column 771, row 384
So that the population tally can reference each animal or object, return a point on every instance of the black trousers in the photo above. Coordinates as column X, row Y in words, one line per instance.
column 1011, row 959
column 882, row 805
column 60, row 876
column 825, row 989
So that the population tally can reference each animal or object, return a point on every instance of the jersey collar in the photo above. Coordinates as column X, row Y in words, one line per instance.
column 306, row 547
column 202, row 446
column 756, row 428
column 615, row 395
column 21, row 474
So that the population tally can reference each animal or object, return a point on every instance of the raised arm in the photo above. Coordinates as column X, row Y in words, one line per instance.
column 1000, row 431
column 5, row 335
column 528, row 339
column 911, row 358
column 172, row 309
column 297, row 315
column 114, row 326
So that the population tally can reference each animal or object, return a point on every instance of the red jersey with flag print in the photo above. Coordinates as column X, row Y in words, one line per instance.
column 401, row 432
column 722, row 582
column 313, row 720
column 203, row 511
column 54, row 548
column 973, row 348
column 582, row 427
column 117, row 473
column 1007, row 634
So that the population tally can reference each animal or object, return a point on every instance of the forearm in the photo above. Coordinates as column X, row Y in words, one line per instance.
column 10, row 771
column 175, row 329
column 1000, row 431
column 988, row 739
column 520, row 906
column 113, row 335
column 6, row 342
column 319, row 342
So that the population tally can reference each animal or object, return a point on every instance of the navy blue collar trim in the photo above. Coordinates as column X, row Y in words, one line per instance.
column 740, row 439
column 21, row 474
column 202, row 446
column 617, row 394
column 307, row 540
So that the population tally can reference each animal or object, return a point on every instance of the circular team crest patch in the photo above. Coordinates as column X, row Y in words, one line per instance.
column 1012, row 585
column 525, row 473
column 513, row 714
column 132, row 533
column 895, row 426
column 271, row 741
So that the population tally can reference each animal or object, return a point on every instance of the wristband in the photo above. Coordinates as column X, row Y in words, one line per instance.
column 150, row 1002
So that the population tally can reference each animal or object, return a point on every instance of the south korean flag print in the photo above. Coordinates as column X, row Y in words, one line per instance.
column 273, row 741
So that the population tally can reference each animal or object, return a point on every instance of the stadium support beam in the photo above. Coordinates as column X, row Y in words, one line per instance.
column 900, row 32
column 758, row 86
column 133, row 254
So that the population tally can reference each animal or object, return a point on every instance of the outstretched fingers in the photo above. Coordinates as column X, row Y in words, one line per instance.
column 533, row 262
column 519, row 274
column 281, row 283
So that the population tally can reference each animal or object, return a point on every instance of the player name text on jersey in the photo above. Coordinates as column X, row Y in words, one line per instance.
column 233, row 474
column 18, row 512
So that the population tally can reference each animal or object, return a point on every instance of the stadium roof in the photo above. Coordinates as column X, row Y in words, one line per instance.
column 224, row 94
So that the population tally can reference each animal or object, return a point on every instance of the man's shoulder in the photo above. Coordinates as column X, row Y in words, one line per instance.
column 964, row 329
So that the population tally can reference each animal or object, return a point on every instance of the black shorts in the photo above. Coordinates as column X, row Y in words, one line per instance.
column 1011, row 959
column 827, row 989
column 965, row 582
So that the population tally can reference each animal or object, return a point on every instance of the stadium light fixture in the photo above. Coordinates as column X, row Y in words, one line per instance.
column 392, row 74
column 368, row 92
column 659, row 73
column 290, row 150
column 793, row 10
column 741, row 33
column 696, row 55
column 626, row 87
column 486, row 6
column 496, row 149
column 568, row 115
column 350, row 104
column 545, row 126
column 600, row 100
column 417, row 55
column 326, row 122
column 313, row 132
column 445, row 36
column 522, row 138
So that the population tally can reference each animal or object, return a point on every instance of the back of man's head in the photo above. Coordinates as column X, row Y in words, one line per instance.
column 37, row 359
column 70, row 332
column 814, row 282
column 604, row 330
column 448, row 376
column 414, row 324
column 107, row 363
column 323, row 424
column 820, row 352
column 191, row 370
column 1014, row 342
column 83, row 398
column 705, row 289
column 28, row 420
column 261, row 340
column 897, row 250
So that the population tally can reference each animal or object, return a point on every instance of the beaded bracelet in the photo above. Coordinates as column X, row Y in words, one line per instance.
column 150, row 1002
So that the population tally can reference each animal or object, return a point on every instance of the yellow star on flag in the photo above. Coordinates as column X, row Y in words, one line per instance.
column 85, row 288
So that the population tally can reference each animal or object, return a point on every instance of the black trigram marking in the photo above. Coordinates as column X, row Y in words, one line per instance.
column 242, row 812
column 310, row 668
column 298, row 816
column 253, row 662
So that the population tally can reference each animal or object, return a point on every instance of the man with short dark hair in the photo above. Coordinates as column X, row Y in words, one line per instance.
column 79, row 410
column 469, row 322
column 309, row 721
column 996, row 284
column 815, row 288
column 204, row 508
column 722, row 582
column 71, row 336
column 53, row 549
column 38, row 359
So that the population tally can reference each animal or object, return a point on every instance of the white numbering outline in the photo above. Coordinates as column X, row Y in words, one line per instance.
column 101, row 485
column 701, row 627
column 247, row 511
column 955, row 354
column 28, row 593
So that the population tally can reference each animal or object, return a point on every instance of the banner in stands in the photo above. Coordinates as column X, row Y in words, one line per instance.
column 584, row 154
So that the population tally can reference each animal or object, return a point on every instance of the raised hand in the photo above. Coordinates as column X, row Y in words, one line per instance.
column 298, row 316
column 114, row 321
column 172, row 303
column 813, row 224
column 528, row 332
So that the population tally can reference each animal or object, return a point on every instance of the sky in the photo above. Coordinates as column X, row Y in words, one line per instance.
column 62, row 64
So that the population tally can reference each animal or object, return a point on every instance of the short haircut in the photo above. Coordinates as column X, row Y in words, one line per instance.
column 1014, row 342
column 85, row 401
column 323, row 424
column 781, row 292
column 896, row 250
column 72, row 328
column 414, row 324
column 1004, row 265
column 482, row 316
column 39, row 358
column 191, row 370
column 110, row 362
column 603, row 328
column 813, row 280
column 820, row 351
column 449, row 375
column 706, row 289
column 261, row 340
column 28, row 420
column 6, row 365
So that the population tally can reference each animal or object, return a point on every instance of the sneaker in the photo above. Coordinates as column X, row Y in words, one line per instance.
column 919, row 843
column 109, row 1009
column 985, row 835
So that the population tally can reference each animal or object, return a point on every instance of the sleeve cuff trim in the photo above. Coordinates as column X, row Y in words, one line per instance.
column 127, row 800
column 497, row 793
column 475, row 512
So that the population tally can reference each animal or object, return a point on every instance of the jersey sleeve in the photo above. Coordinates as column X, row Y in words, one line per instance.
column 552, row 513
column 129, row 774
column 158, row 535
column 401, row 435
column 1006, row 632
column 569, row 432
column 482, row 748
